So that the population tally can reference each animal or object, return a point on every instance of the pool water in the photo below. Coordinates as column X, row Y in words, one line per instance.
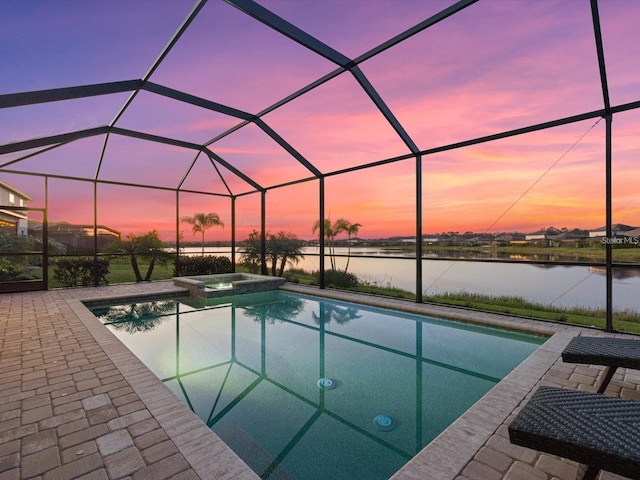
column 302, row 387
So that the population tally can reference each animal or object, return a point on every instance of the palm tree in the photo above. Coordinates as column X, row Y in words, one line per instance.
column 281, row 248
column 330, row 234
column 148, row 247
column 332, row 230
column 202, row 222
column 351, row 229
column 284, row 247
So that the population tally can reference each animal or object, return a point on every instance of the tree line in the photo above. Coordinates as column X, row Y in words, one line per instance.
column 281, row 248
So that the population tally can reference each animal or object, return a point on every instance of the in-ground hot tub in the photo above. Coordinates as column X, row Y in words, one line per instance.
column 225, row 284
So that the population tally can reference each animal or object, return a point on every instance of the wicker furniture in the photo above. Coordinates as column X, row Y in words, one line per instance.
column 608, row 351
column 590, row 428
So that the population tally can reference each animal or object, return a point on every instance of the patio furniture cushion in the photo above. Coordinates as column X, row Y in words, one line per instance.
column 609, row 351
column 597, row 430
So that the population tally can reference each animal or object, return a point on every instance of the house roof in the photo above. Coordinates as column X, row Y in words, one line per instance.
column 12, row 189
column 620, row 227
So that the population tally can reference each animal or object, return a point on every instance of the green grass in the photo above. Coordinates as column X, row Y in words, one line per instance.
column 120, row 271
column 624, row 320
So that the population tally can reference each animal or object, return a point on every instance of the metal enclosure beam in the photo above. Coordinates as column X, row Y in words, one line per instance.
column 68, row 93
column 595, row 15
column 384, row 109
column 279, row 24
column 321, row 232
column 233, row 234
column 263, row 233
column 165, row 51
column 418, row 181
column 429, row 22
column 292, row 151
column 233, row 169
column 52, row 140
column 609, row 227
column 194, row 100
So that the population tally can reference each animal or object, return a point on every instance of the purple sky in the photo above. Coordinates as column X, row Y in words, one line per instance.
column 496, row 66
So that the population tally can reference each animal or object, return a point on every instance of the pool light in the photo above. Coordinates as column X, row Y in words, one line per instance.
column 326, row 383
column 385, row 423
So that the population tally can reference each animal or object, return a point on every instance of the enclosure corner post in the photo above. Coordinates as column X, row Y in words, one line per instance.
column 418, row 229
column 263, row 234
column 233, row 234
column 609, row 227
column 321, row 232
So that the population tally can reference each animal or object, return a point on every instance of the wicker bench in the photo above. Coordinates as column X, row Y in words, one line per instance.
column 590, row 428
column 609, row 351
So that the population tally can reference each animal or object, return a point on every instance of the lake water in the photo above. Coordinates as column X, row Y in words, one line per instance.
column 558, row 285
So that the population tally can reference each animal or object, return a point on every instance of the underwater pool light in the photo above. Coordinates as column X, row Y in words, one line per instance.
column 326, row 383
column 384, row 422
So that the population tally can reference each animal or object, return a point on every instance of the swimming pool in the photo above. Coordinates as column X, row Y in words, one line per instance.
column 302, row 387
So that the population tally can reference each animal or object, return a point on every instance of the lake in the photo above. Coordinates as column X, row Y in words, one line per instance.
column 558, row 285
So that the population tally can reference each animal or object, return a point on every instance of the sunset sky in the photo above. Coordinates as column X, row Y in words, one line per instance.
column 495, row 66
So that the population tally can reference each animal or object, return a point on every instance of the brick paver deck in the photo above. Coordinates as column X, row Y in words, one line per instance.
column 76, row 404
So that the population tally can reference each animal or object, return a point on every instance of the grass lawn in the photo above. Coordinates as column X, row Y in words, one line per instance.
column 628, row 321
column 120, row 271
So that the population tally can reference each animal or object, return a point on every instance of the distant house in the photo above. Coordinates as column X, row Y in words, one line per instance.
column 81, row 237
column 13, row 221
column 545, row 236
column 570, row 239
column 617, row 230
column 633, row 233
column 510, row 239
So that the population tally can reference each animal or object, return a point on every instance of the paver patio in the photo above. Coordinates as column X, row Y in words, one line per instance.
column 76, row 404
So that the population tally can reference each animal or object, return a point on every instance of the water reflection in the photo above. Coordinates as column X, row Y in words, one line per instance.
column 618, row 273
column 335, row 313
column 492, row 254
column 271, row 312
column 135, row 316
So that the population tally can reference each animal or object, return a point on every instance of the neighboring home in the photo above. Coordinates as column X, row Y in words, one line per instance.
column 545, row 236
column 81, row 237
column 617, row 230
column 13, row 221
column 510, row 239
column 635, row 233
column 572, row 238
column 621, row 235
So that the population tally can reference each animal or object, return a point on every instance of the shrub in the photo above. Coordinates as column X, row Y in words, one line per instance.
column 340, row 279
column 14, row 271
column 206, row 265
column 73, row 272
